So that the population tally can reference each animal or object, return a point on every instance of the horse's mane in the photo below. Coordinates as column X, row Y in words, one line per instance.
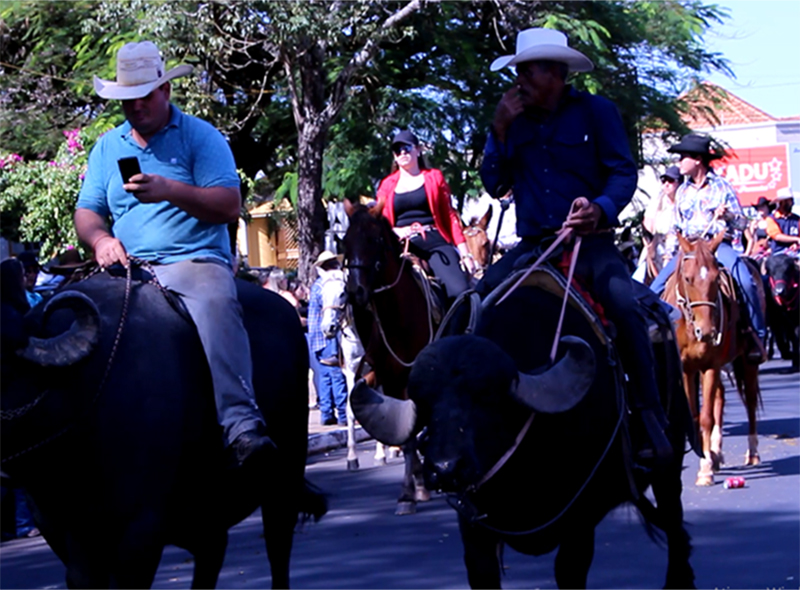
column 362, row 218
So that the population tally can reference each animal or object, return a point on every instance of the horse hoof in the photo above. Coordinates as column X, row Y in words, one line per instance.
column 352, row 464
column 405, row 508
column 422, row 494
column 752, row 459
column 717, row 460
column 704, row 481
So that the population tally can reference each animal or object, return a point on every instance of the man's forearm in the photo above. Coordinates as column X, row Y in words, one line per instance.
column 216, row 204
column 493, row 173
column 90, row 227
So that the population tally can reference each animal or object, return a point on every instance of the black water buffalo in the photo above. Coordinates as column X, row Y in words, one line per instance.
column 110, row 425
column 531, row 456
column 783, row 305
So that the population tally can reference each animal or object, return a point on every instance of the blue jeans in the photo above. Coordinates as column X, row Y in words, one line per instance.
column 208, row 291
column 729, row 258
column 332, row 385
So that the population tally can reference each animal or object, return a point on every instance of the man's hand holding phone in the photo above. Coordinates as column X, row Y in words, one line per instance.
column 148, row 188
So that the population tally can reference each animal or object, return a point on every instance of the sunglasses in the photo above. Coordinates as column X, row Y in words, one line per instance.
column 669, row 180
column 402, row 148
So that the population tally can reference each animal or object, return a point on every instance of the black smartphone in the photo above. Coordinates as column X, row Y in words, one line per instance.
column 128, row 167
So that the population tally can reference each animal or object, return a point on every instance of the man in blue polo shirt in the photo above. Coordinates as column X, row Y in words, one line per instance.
column 174, row 214
column 565, row 154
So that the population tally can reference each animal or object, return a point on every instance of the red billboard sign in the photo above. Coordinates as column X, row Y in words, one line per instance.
column 756, row 172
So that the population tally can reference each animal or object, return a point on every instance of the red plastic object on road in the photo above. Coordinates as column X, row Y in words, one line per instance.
column 733, row 483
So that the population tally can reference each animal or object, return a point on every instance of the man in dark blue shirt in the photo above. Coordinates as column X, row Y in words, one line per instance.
column 566, row 157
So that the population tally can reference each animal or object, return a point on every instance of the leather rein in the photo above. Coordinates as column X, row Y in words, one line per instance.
column 428, row 294
column 687, row 306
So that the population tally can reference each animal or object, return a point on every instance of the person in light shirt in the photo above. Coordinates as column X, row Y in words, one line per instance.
column 706, row 204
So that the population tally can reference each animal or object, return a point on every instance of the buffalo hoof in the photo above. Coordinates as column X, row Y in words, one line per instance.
column 352, row 464
column 405, row 508
column 421, row 494
column 751, row 459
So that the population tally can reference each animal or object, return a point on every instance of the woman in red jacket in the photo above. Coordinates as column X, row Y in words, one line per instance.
column 417, row 204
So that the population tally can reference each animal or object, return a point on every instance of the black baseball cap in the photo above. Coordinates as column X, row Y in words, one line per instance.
column 405, row 137
column 673, row 173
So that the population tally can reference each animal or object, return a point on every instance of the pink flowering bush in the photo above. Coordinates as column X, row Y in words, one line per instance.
column 41, row 195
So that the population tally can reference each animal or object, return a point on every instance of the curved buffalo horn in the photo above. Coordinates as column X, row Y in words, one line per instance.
column 389, row 420
column 562, row 386
column 74, row 344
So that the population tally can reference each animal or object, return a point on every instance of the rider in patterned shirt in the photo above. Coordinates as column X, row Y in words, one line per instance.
column 708, row 208
column 707, row 205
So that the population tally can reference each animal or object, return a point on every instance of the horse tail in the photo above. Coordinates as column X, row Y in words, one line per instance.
column 741, row 375
column 313, row 502
column 651, row 520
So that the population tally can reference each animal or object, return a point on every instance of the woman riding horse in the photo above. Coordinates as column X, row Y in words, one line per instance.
column 416, row 201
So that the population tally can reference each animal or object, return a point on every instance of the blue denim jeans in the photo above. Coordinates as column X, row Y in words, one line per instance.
column 332, row 385
column 208, row 291
column 729, row 258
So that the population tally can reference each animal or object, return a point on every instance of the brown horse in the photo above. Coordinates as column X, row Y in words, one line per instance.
column 709, row 336
column 393, row 317
column 478, row 242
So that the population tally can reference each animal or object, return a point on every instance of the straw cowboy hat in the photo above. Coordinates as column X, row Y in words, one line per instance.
column 326, row 256
column 544, row 44
column 140, row 70
column 784, row 193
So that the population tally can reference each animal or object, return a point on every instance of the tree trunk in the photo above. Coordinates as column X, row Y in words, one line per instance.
column 311, row 215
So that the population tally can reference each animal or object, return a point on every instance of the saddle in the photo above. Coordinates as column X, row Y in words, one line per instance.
column 430, row 286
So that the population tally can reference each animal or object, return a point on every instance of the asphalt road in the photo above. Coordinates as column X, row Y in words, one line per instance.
column 743, row 538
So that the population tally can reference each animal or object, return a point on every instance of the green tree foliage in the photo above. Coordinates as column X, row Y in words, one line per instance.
column 43, row 194
column 309, row 93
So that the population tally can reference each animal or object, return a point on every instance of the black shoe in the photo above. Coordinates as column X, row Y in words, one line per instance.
column 328, row 421
column 251, row 444
column 659, row 447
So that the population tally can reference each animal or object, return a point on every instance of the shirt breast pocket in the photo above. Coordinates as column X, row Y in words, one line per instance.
column 571, row 147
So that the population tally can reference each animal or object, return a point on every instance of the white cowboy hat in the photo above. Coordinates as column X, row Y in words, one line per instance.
column 784, row 193
column 544, row 44
column 327, row 255
column 140, row 70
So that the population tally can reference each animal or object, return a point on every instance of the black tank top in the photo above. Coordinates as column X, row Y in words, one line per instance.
column 412, row 207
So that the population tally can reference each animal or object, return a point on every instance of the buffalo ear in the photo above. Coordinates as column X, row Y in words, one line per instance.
column 563, row 385
column 388, row 420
